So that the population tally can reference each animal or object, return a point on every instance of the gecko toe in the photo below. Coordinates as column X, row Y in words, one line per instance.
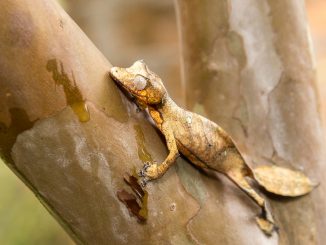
column 143, row 182
column 141, row 173
column 146, row 165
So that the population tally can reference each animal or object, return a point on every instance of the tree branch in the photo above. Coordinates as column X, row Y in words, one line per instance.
column 70, row 135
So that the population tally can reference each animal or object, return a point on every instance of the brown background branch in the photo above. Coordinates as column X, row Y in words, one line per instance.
column 249, row 67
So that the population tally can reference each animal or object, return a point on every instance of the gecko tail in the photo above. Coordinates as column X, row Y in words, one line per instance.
column 283, row 181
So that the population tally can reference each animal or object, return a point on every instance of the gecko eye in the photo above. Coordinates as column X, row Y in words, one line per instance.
column 140, row 82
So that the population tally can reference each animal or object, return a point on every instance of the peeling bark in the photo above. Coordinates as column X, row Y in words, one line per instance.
column 248, row 66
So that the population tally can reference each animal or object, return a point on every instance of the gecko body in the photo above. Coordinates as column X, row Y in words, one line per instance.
column 200, row 140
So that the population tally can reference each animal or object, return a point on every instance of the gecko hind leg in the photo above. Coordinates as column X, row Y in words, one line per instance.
column 265, row 221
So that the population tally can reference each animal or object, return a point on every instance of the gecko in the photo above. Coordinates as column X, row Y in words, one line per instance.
column 199, row 139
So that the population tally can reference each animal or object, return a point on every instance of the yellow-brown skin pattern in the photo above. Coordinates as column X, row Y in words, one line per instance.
column 202, row 141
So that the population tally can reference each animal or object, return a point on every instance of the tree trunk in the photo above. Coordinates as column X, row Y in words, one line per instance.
column 248, row 66
column 70, row 135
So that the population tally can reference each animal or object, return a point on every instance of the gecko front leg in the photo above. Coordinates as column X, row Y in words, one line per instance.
column 154, row 171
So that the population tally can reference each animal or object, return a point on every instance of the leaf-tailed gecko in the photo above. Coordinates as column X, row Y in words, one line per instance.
column 203, row 142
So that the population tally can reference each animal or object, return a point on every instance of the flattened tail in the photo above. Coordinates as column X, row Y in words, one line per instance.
column 283, row 181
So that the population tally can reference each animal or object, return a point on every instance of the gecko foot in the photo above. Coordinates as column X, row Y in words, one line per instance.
column 150, row 171
column 142, row 172
column 143, row 182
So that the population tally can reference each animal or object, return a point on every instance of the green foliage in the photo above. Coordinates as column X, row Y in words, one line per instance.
column 23, row 219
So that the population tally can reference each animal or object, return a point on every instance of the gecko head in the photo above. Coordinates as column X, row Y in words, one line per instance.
column 139, row 81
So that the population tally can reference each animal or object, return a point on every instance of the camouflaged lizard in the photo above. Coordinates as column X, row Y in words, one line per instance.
column 203, row 142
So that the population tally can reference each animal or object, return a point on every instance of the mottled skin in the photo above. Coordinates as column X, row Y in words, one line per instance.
column 202, row 141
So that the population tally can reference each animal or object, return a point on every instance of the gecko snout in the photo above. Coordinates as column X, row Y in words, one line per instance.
column 114, row 71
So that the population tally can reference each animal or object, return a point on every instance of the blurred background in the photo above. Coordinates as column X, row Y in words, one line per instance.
column 124, row 30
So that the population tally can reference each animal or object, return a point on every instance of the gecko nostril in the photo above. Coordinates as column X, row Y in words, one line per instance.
column 114, row 70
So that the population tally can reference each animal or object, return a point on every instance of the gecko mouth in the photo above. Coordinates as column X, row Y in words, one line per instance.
column 120, row 84
column 124, row 89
